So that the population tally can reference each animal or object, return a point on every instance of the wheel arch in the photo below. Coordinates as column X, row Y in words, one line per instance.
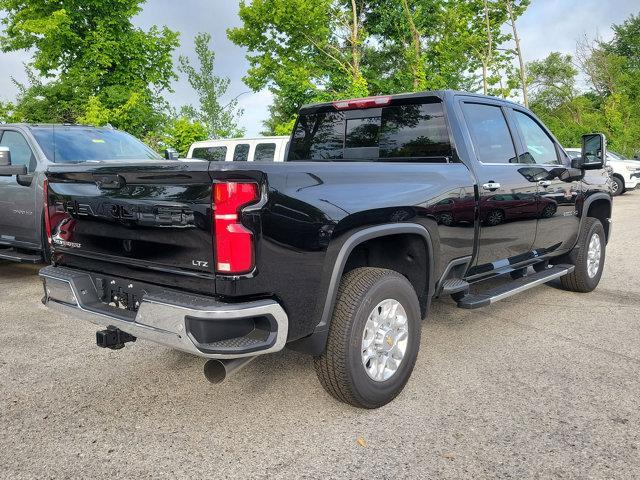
column 598, row 206
column 316, row 342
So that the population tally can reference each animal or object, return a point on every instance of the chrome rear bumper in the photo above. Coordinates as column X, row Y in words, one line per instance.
column 172, row 318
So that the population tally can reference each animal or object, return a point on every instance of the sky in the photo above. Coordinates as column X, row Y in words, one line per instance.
column 548, row 25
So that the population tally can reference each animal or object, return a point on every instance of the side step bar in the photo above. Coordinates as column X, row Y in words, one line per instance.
column 514, row 287
column 11, row 255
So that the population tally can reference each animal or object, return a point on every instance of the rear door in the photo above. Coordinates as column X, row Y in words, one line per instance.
column 18, row 217
column 507, row 197
column 557, row 191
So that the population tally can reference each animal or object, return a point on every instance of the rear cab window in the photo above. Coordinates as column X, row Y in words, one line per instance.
column 407, row 130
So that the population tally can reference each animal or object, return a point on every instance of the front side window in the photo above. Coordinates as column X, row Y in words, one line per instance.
column 241, row 152
column 540, row 148
column 213, row 154
column 265, row 152
column 19, row 148
column 404, row 132
column 490, row 133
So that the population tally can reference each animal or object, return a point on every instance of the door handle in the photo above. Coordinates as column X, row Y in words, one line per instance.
column 491, row 186
column 544, row 183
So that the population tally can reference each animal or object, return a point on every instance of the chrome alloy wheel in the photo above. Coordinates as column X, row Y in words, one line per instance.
column 593, row 255
column 384, row 340
column 615, row 186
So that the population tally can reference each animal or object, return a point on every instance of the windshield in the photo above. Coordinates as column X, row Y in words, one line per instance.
column 82, row 144
column 616, row 156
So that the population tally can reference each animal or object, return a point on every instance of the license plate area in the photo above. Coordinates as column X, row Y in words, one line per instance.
column 119, row 293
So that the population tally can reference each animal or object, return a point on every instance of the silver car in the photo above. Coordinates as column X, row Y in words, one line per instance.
column 26, row 152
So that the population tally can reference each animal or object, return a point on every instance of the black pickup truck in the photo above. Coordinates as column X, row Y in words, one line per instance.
column 383, row 204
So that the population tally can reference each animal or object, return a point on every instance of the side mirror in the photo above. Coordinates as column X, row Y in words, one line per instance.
column 594, row 152
column 171, row 154
column 6, row 169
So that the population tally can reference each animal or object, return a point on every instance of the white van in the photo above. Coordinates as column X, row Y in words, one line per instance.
column 261, row 149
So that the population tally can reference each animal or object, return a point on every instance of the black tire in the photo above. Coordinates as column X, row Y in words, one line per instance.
column 340, row 368
column 617, row 187
column 580, row 280
column 549, row 211
column 446, row 219
column 494, row 218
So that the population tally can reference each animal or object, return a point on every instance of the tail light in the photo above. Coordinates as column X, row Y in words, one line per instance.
column 369, row 102
column 233, row 242
column 47, row 219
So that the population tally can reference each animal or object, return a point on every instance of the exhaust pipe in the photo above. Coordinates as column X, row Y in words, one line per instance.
column 217, row 371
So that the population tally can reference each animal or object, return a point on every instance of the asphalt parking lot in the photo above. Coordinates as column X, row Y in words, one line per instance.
column 545, row 384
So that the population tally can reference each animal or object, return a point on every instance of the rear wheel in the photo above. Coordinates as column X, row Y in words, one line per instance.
column 588, row 257
column 374, row 338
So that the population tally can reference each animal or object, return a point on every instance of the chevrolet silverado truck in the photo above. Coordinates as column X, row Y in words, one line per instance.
column 337, row 252
column 26, row 153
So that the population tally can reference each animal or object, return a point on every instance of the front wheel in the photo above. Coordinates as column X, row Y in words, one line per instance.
column 588, row 257
column 374, row 338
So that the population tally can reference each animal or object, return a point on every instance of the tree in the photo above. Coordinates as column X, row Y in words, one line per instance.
column 219, row 119
column 626, row 42
column 182, row 132
column 483, row 39
column 417, row 46
column 303, row 51
column 514, row 10
column 553, row 80
column 89, row 58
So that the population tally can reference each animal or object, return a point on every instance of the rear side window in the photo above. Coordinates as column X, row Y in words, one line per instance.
column 540, row 147
column 241, row 152
column 265, row 152
column 405, row 132
column 213, row 154
column 318, row 136
column 490, row 134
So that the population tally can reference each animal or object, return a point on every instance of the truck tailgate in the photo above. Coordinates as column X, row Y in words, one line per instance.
column 138, row 216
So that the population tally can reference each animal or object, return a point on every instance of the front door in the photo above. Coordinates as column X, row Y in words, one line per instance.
column 507, row 197
column 558, row 191
column 18, row 222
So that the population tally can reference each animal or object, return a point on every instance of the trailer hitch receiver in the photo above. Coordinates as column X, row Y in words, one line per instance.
column 113, row 338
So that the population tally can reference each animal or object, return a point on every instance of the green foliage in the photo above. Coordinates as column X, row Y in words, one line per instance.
column 220, row 120
column 303, row 51
column 182, row 132
column 611, row 104
column 90, row 62
column 307, row 52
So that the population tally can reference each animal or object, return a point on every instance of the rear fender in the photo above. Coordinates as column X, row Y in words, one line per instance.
column 315, row 343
